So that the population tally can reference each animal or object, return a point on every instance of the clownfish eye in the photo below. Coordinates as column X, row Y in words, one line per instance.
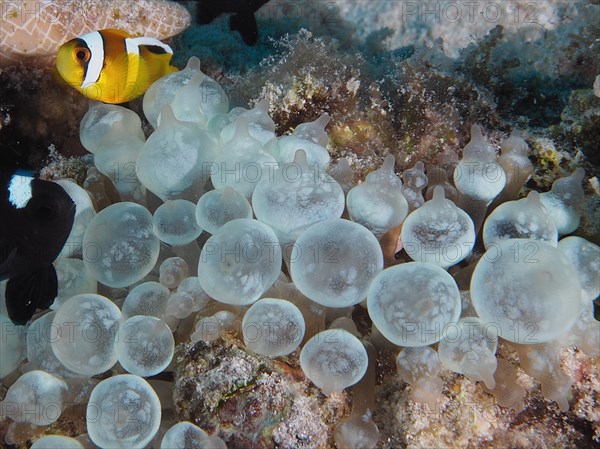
column 82, row 54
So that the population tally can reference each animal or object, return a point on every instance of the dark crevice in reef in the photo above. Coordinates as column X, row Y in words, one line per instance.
column 34, row 114
column 18, row 150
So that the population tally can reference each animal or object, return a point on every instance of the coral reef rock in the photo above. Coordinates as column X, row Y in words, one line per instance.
column 253, row 401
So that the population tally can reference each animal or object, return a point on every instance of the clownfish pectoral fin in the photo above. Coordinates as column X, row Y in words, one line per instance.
column 58, row 79
column 117, row 82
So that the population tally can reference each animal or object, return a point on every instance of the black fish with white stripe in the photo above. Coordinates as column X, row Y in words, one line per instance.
column 36, row 217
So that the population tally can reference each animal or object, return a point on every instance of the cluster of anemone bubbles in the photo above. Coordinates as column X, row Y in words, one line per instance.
column 224, row 227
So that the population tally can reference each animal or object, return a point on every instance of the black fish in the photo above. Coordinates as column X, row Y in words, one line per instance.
column 597, row 308
column 32, row 235
column 242, row 20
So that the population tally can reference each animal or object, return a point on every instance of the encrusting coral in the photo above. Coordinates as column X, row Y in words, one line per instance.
column 254, row 401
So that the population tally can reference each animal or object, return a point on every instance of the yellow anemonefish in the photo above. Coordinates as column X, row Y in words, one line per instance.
column 113, row 66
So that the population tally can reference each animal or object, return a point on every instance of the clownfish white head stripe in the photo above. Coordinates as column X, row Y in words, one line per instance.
column 112, row 66
column 95, row 45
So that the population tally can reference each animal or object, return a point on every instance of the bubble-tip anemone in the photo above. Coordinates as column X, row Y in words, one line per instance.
column 123, row 408
column 528, row 289
column 333, row 360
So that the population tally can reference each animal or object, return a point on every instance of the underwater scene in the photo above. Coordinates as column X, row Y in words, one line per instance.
column 299, row 224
